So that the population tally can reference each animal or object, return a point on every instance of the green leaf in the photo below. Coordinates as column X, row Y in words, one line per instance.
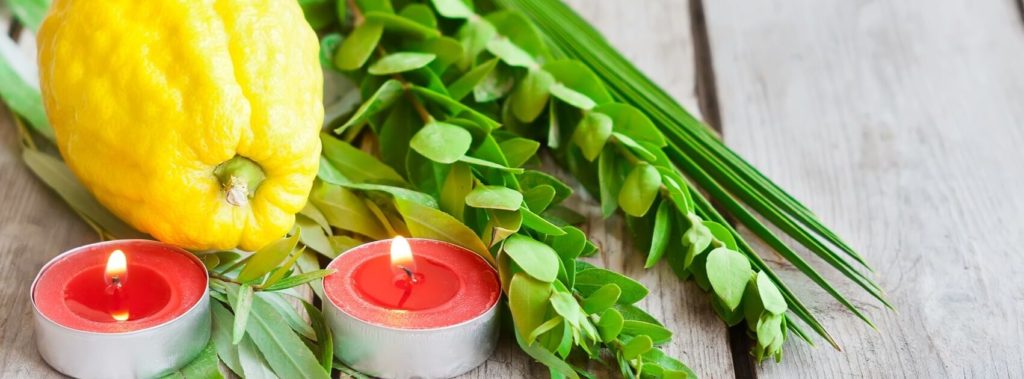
column 203, row 366
column 57, row 176
column 502, row 224
column 519, row 150
column 485, row 163
column 356, row 49
column 539, row 197
column 375, row 6
column 242, row 305
column 636, row 346
column 20, row 90
column 474, row 36
column 456, row 186
column 400, row 62
column 528, row 303
column 530, row 95
column 465, row 84
column 581, row 79
column 535, row 258
column 603, row 298
column 512, row 55
column 631, row 312
column 592, row 133
column 397, row 192
column 659, row 334
column 283, row 350
column 394, row 23
column 770, row 296
column 533, row 178
column 721, row 234
column 662, row 234
column 494, row 197
column 544, row 328
column 319, row 13
column 635, row 147
column 728, row 271
column 223, row 322
column 29, row 12
column 609, row 178
column 639, row 190
column 632, row 122
column 456, row 108
column 571, row 97
column 426, row 222
column 453, row 8
column 697, row 238
column 300, row 279
column 590, row 280
column 610, row 325
column 381, row 99
column 441, row 142
column 343, row 209
column 290, row 314
column 568, row 246
column 769, row 328
column 254, row 365
column 447, row 49
column 542, row 355
column 538, row 223
column 268, row 257
column 566, row 306
column 420, row 13
column 279, row 272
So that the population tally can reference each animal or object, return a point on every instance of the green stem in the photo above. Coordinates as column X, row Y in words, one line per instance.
column 239, row 177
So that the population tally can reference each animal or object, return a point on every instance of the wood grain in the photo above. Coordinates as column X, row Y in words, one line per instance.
column 900, row 123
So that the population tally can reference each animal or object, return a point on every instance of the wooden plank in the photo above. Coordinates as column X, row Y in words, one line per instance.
column 656, row 37
column 899, row 122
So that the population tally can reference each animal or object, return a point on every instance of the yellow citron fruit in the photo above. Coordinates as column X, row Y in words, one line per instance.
column 195, row 121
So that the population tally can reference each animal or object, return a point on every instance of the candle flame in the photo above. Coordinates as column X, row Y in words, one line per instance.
column 115, row 276
column 401, row 254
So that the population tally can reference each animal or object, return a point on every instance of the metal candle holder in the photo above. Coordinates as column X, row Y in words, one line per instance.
column 143, row 353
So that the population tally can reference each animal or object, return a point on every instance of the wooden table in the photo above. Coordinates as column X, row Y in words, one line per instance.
column 901, row 122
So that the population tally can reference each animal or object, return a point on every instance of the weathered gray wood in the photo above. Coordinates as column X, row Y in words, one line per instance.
column 900, row 123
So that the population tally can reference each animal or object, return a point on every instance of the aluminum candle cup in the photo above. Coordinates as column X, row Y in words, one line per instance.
column 431, row 314
column 121, row 309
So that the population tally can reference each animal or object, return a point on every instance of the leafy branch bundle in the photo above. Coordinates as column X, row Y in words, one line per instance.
column 456, row 102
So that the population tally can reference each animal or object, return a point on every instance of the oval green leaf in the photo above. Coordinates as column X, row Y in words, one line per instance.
column 639, row 190
column 535, row 258
column 400, row 62
column 728, row 272
column 441, row 142
column 494, row 197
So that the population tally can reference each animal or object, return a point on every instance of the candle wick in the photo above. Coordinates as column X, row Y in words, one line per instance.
column 116, row 281
column 409, row 273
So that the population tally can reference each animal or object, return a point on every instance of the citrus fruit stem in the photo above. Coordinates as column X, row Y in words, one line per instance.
column 239, row 177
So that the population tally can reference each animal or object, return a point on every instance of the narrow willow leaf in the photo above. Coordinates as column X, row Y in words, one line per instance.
column 528, row 303
column 571, row 97
column 728, row 271
column 428, row 222
column 205, row 365
column 242, row 305
column 283, row 350
column 400, row 62
column 324, row 338
column 662, row 234
column 604, row 298
column 453, row 8
column 590, row 280
column 540, row 224
column 394, row 23
column 253, row 364
column 456, row 186
column 343, row 209
column 770, row 296
column 21, row 87
column 268, row 257
column 636, row 346
column 356, row 49
column 592, row 133
column 530, row 95
column 610, row 325
column 494, row 197
column 519, row 150
column 639, row 189
column 300, row 279
column 465, row 84
column 287, row 311
column 279, row 272
column 223, row 322
column 312, row 213
column 535, row 258
column 57, row 176
column 441, row 142
column 381, row 99
column 659, row 334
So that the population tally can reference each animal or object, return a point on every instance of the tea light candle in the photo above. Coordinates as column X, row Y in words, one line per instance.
column 121, row 309
column 412, row 308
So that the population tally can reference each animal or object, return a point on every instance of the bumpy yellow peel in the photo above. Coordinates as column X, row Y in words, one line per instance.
column 148, row 99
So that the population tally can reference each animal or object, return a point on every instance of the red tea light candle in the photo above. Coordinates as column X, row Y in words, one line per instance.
column 121, row 309
column 412, row 308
